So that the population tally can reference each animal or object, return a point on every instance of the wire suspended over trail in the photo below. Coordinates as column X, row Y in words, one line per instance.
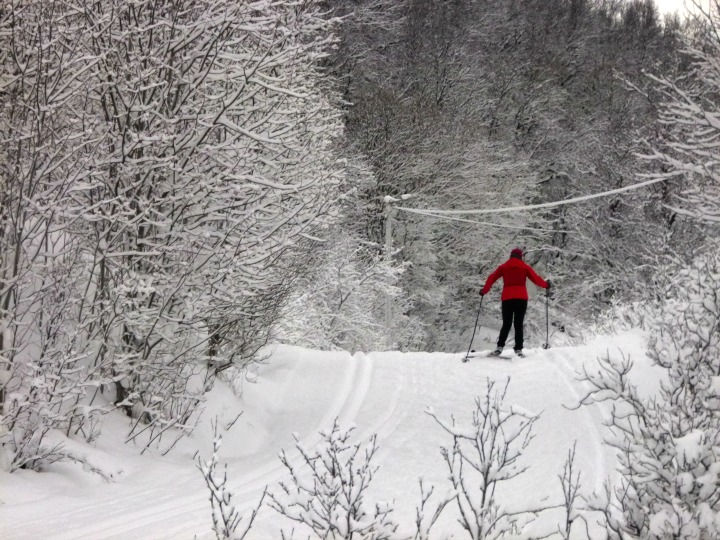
column 542, row 205
column 430, row 213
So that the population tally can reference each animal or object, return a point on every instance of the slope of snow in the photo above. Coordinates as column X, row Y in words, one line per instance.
column 301, row 391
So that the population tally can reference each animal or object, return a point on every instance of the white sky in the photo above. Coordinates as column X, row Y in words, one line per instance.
column 668, row 6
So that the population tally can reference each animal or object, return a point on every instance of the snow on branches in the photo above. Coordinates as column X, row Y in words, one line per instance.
column 486, row 454
column 328, row 489
column 228, row 522
column 167, row 159
column 689, row 121
column 668, row 444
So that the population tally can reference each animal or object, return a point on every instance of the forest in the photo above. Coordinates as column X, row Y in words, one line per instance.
column 184, row 182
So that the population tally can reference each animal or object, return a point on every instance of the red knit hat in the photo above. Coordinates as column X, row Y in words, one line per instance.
column 517, row 252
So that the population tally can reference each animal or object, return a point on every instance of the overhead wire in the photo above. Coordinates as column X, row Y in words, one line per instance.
column 552, row 204
column 430, row 213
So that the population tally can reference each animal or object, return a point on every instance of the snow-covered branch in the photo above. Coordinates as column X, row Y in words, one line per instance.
column 328, row 489
column 228, row 523
column 485, row 454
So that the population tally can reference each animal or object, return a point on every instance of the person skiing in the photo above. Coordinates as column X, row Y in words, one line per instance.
column 514, row 298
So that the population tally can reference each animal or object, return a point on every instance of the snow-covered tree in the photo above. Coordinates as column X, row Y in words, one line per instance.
column 215, row 160
column 161, row 162
column 46, row 140
column 489, row 104
column 339, row 301
column 668, row 444
column 688, row 151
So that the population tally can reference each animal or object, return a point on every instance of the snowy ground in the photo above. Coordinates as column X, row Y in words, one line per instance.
column 301, row 391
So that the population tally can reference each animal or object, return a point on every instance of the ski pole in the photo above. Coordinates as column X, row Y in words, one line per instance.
column 547, row 319
column 477, row 319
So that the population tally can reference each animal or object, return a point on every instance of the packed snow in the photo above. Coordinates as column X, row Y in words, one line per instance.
column 299, row 392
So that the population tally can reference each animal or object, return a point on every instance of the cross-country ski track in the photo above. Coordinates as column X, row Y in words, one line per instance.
column 302, row 391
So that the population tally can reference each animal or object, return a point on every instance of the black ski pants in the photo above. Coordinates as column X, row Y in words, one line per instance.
column 512, row 311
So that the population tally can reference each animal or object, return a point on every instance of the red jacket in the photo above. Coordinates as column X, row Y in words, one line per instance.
column 514, row 273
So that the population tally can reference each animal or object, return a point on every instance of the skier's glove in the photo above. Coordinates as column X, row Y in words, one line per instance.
column 482, row 293
column 550, row 291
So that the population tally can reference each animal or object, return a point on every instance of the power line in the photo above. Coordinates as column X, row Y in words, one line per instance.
column 430, row 213
column 542, row 205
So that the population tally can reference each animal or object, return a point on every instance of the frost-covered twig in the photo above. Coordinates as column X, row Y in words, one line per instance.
column 427, row 514
column 570, row 482
column 227, row 520
column 485, row 454
column 328, row 489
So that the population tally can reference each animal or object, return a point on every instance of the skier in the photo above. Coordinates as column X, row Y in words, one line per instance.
column 514, row 272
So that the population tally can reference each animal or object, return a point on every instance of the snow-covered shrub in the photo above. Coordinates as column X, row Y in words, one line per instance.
column 46, row 388
column 328, row 489
column 36, row 404
column 620, row 316
column 44, row 152
column 225, row 516
column 484, row 454
column 340, row 300
column 428, row 513
column 668, row 444
column 342, row 305
column 686, row 340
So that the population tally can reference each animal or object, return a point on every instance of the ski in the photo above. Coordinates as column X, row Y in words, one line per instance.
column 492, row 354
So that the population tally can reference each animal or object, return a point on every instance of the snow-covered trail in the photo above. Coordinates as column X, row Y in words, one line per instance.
column 301, row 391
